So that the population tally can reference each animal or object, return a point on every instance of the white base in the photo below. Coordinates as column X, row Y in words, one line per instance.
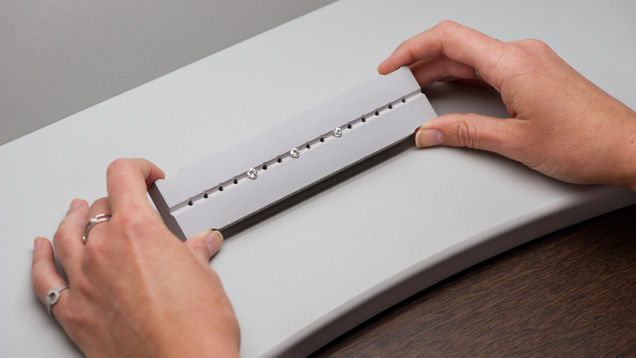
column 308, row 273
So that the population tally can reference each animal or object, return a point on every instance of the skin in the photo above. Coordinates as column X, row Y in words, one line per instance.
column 135, row 290
column 560, row 124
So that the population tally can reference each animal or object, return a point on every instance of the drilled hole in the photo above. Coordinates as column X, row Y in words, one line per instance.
column 308, row 146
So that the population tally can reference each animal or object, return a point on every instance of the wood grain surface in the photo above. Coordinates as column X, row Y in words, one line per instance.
column 568, row 294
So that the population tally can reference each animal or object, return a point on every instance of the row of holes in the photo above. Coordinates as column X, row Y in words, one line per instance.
column 237, row 179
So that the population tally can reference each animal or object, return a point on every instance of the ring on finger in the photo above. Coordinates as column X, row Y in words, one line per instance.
column 100, row 218
column 52, row 297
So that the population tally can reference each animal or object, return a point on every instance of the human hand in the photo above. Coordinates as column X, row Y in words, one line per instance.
column 134, row 288
column 560, row 124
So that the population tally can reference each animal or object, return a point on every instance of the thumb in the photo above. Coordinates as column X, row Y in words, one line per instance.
column 204, row 245
column 466, row 130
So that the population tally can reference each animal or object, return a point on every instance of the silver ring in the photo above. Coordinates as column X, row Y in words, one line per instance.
column 92, row 222
column 52, row 296
column 477, row 74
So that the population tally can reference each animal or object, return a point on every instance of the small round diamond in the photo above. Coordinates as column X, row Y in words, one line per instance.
column 337, row 132
column 294, row 152
column 252, row 174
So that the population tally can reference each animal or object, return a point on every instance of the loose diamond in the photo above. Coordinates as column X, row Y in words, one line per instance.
column 252, row 174
column 295, row 153
column 337, row 132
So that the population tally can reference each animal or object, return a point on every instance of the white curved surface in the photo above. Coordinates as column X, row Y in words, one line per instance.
column 307, row 273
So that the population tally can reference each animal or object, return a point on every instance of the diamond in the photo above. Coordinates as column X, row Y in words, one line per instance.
column 294, row 152
column 337, row 132
column 252, row 174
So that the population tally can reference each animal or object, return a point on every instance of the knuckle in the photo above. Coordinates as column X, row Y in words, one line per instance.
column 133, row 223
column 519, row 54
column 200, row 246
column 530, row 50
column 118, row 165
column 465, row 133
column 538, row 46
column 72, row 319
column 447, row 26
column 64, row 230
column 128, row 221
column 522, row 61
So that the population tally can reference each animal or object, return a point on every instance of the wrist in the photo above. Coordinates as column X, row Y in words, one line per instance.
column 209, row 334
column 203, row 343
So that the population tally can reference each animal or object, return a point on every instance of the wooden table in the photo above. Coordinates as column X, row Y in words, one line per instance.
column 569, row 294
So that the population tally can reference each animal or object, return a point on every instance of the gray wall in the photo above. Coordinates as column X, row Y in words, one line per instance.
column 59, row 57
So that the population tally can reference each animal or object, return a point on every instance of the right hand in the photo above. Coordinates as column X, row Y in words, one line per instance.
column 560, row 124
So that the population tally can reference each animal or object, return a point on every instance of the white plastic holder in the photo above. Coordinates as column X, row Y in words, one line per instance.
column 249, row 176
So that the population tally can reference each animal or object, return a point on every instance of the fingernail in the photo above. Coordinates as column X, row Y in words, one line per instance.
column 214, row 241
column 75, row 203
column 37, row 243
column 428, row 138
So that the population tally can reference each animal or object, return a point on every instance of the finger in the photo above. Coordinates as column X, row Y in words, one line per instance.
column 468, row 130
column 441, row 68
column 100, row 206
column 44, row 275
column 204, row 245
column 127, row 182
column 459, row 43
column 68, row 237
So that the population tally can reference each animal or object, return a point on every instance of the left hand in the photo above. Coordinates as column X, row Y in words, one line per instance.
column 134, row 288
